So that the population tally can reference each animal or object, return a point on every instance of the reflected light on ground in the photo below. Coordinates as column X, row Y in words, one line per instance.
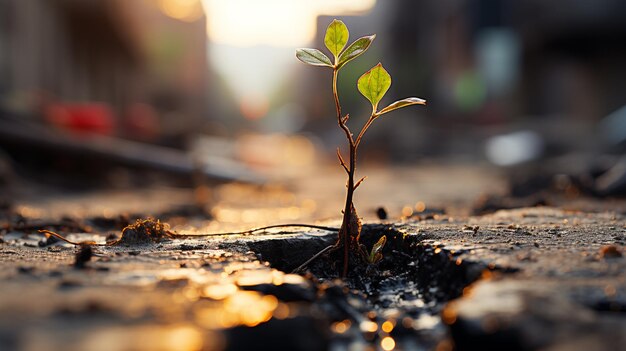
column 144, row 338
column 387, row 326
column 341, row 327
column 220, row 291
column 387, row 343
column 368, row 326
column 236, row 310
column 183, row 338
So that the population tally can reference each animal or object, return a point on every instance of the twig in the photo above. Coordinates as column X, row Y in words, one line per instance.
column 356, row 185
column 186, row 236
column 302, row 266
column 341, row 160
column 62, row 238
column 254, row 230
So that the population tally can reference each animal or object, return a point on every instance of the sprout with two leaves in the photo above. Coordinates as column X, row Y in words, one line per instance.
column 373, row 85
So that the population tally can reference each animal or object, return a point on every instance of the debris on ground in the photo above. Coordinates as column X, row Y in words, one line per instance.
column 145, row 231
column 83, row 255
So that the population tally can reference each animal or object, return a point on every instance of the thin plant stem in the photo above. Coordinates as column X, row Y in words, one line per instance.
column 364, row 129
column 303, row 266
column 346, row 231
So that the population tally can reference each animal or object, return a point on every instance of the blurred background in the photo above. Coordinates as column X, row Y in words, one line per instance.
column 524, row 96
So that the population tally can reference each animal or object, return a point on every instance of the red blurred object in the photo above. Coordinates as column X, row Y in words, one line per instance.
column 82, row 118
column 142, row 122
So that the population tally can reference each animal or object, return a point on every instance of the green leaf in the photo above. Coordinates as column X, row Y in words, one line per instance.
column 402, row 103
column 355, row 49
column 375, row 254
column 313, row 57
column 336, row 37
column 374, row 84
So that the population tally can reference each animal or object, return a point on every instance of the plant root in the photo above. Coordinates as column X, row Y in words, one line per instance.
column 150, row 230
column 260, row 229
column 323, row 251
column 62, row 238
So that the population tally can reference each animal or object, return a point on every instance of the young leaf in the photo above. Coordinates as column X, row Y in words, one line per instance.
column 355, row 49
column 375, row 254
column 336, row 37
column 313, row 57
column 402, row 103
column 374, row 84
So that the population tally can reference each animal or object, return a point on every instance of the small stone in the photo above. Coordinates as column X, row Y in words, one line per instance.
column 50, row 240
column 54, row 274
column 111, row 238
column 25, row 270
column 69, row 284
column 83, row 256
column 189, row 247
column 381, row 212
column 610, row 251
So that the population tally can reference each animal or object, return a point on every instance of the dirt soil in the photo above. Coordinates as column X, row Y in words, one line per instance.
column 524, row 279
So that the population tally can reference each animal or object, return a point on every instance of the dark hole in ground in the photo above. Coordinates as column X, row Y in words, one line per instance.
column 415, row 278
column 410, row 270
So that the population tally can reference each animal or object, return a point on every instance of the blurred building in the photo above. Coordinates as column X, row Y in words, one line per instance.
column 136, row 69
column 485, row 67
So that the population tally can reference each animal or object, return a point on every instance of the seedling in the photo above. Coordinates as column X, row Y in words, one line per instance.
column 376, row 254
column 373, row 85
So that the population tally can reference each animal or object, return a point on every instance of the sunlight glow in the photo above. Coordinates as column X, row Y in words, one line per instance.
column 252, row 42
column 279, row 23
column 184, row 10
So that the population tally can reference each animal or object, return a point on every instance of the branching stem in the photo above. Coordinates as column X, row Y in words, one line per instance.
column 342, row 162
column 347, row 234
column 359, row 182
column 346, row 231
column 340, row 120
column 369, row 122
